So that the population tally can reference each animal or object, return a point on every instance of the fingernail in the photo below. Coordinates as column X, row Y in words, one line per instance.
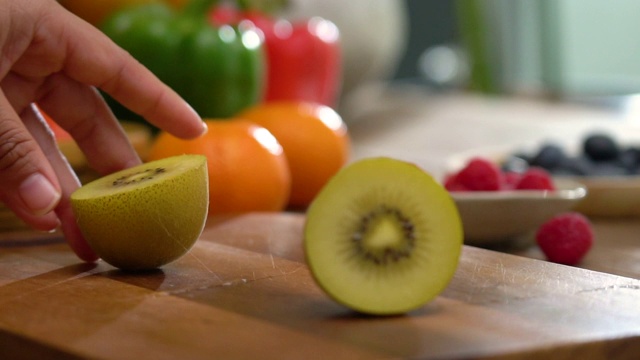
column 53, row 230
column 205, row 128
column 39, row 194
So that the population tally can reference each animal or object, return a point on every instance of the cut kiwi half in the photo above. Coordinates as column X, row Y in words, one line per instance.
column 146, row 216
column 382, row 237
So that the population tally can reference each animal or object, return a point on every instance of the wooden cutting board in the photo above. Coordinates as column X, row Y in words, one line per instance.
column 244, row 292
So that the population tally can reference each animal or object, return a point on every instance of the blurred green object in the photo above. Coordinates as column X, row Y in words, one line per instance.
column 473, row 37
column 217, row 70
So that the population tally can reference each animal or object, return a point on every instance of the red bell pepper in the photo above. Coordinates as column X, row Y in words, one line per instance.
column 303, row 58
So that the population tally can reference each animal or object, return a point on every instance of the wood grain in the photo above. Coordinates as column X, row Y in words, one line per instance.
column 244, row 291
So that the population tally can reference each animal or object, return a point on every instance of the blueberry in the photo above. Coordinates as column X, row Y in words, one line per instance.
column 629, row 158
column 549, row 156
column 515, row 163
column 575, row 166
column 600, row 147
column 608, row 168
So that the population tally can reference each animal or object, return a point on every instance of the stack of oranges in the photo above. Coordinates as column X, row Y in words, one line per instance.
column 271, row 157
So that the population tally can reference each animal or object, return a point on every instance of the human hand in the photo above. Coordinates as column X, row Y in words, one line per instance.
column 52, row 58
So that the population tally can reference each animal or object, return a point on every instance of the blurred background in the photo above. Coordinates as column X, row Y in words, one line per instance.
column 578, row 50
column 567, row 49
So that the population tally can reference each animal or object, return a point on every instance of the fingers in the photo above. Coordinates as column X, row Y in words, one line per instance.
column 139, row 90
column 81, row 111
column 68, row 182
column 34, row 185
column 92, row 58
column 28, row 185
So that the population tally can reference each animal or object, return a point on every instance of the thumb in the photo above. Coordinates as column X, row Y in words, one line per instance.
column 28, row 184
column 67, row 182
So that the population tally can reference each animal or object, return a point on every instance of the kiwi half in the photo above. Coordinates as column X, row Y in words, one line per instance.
column 382, row 237
column 146, row 216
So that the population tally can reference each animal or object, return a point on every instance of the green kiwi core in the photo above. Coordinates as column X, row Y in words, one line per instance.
column 140, row 176
column 384, row 236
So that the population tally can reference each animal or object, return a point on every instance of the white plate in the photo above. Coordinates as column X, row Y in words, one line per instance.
column 490, row 217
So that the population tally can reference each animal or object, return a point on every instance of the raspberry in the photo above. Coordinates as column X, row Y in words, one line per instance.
column 452, row 183
column 565, row 238
column 480, row 175
column 535, row 178
column 510, row 180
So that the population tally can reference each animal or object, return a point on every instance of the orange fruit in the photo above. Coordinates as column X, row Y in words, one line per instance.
column 247, row 167
column 315, row 141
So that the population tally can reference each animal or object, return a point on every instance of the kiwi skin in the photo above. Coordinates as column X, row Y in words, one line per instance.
column 146, row 223
column 382, row 237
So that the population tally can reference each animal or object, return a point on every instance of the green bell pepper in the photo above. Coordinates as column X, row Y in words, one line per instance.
column 217, row 70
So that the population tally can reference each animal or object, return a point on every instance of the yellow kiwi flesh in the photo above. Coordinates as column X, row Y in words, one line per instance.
column 146, row 216
column 383, row 237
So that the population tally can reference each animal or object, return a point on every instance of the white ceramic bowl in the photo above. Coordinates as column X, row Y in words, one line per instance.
column 491, row 217
column 608, row 196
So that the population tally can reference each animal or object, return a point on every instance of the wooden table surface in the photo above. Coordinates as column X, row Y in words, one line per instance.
column 244, row 290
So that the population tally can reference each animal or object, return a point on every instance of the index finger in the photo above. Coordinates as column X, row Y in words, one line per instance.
column 92, row 58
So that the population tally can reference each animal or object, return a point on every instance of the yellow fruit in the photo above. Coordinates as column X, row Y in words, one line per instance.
column 146, row 216
column 383, row 237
